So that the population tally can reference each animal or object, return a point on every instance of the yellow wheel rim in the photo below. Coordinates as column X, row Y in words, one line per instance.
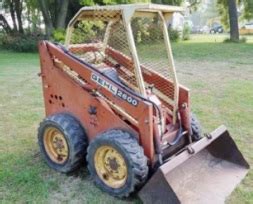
column 56, row 145
column 110, row 166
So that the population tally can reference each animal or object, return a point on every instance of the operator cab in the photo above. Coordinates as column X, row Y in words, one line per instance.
column 129, row 44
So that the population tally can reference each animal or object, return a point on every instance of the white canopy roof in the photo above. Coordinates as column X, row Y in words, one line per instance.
column 142, row 6
column 126, row 9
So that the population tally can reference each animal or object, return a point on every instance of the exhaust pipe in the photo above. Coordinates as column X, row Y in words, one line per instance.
column 208, row 173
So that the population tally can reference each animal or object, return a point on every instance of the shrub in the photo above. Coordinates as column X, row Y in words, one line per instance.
column 59, row 35
column 155, row 34
column 87, row 31
column 140, row 30
column 21, row 43
column 1, row 39
column 186, row 32
column 149, row 31
column 174, row 34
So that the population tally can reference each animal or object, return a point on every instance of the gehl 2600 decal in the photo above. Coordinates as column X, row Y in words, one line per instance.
column 114, row 89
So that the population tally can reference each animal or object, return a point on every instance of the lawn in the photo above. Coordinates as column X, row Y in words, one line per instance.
column 220, row 76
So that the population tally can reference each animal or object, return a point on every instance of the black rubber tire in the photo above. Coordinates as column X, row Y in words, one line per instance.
column 196, row 128
column 133, row 155
column 75, row 137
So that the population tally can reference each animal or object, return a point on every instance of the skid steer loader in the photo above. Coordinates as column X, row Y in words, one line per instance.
column 112, row 98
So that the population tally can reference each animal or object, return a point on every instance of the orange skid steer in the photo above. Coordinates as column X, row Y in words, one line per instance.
column 112, row 98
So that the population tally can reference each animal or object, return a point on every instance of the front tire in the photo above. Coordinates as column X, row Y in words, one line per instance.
column 117, row 163
column 62, row 142
column 196, row 128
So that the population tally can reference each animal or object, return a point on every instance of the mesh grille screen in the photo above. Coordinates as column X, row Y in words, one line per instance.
column 152, row 53
column 100, row 39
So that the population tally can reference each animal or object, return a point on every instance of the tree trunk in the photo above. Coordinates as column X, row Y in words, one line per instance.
column 62, row 14
column 5, row 24
column 233, row 20
column 46, row 16
column 29, row 18
column 37, row 23
column 18, row 9
column 13, row 16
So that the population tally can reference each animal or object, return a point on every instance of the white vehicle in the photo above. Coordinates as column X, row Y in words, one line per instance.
column 249, row 25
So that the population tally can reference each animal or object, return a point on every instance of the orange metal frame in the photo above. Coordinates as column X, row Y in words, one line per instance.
column 63, row 94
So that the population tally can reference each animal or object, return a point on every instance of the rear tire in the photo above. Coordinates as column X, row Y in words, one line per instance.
column 62, row 141
column 129, row 167
column 196, row 128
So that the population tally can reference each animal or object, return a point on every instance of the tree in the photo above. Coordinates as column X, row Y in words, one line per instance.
column 19, row 11
column 248, row 9
column 15, row 8
column 4, row 23
column 18, row 5
column 33, row 16
column 54, row 14
column 57, row 12
column 10, row 3
column 229, row 15
column 233, row 20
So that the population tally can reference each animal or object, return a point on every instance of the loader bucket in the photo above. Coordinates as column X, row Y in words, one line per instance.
column 208, row 175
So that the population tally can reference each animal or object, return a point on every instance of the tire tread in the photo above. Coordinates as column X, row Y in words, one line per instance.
column 76, row 136
column 132, row 150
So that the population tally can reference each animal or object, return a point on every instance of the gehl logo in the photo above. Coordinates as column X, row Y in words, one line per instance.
column 113, row 89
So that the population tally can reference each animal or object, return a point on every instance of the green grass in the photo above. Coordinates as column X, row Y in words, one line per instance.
column 219, row 75
column 24, row 177
column 217, row 38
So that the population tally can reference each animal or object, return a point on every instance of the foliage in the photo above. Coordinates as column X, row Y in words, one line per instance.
column 174, row 34
column 110, row 2
column 223, row 11
column 140, row 29
column 87, row 31
column 247, row 11
column 169, row 2
column 229, row 17
column 59, row 35
column 20, row 11
column 147, row 31
column 1, row 39
column 186, row 32
column 21, row 42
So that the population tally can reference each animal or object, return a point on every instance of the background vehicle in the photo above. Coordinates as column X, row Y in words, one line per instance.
column 249, row 25
column 247, row 29
column 216, row 29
